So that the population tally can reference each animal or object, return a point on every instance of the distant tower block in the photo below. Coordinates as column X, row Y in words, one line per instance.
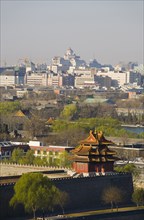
column 93, row 154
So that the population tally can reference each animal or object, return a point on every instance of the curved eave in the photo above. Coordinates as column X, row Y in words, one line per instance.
column 89, row 142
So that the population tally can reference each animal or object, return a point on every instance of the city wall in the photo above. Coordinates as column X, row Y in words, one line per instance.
column 84, row 192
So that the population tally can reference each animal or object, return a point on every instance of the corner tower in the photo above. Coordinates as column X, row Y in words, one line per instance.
column 93, row 154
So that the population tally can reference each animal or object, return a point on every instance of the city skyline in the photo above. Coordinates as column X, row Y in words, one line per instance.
column 109, row 31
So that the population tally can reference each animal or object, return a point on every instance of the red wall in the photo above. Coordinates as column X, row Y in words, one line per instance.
column 92, row 167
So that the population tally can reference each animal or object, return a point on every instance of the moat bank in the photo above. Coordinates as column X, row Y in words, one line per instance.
column 128, row 215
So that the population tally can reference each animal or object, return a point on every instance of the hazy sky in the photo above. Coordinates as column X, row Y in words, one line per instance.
column 110, row 31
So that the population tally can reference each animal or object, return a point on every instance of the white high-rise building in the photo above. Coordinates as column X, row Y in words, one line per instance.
column 121, row 77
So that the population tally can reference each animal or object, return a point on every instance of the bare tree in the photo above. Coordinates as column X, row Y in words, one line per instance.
column 113, row 195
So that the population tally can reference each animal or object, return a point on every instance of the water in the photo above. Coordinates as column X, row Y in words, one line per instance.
column 136, row 130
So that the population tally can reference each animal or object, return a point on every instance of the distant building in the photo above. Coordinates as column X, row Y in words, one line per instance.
column 84, row 81
column 134, row 77
column 133, row 111
column 30, row 66
column 37, row 79
column 132, row 95
column 118, row 78
column 7, row 147
column 41, row 67
column 55, row 80
column 103, row 81
column 51, row 153
column 21, row 93
column 63, row 64
column 139, row 69
column 12, row 76
column 68, row 80
column 129, row 151
column 60, row 64
column 94, row 64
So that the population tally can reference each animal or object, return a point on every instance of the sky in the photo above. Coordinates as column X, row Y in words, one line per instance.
column 109, row 31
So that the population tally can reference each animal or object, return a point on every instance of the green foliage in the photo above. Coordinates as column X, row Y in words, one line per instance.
column 40, row 161
column 29, row 158
column 35, row 192
column 17, row 155
column 64, row 159
column 130, row 168
column 110, row 126
column 86, row 124
column 68, row 111
column 59, row 125
column 138, row 196
column 8, row 107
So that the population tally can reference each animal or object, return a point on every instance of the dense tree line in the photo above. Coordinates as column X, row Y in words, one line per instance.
column 20, row 157
column 79, row 116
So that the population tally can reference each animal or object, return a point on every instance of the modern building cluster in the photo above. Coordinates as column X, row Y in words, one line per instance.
column 71, row 71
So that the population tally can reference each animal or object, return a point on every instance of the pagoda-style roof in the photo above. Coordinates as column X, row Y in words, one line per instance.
column 94, row 149
column 19, row 114
column 96, row 138
column 50, row 120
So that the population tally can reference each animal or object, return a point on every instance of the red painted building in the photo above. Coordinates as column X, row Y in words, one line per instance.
column 93, row 154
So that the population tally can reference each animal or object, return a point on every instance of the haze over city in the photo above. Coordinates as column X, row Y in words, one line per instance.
column 110, row 31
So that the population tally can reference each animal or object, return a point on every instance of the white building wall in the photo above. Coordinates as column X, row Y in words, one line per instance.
column 37, row 79
column 121, row 78
column 82, row 81
column 7, row 80
column 54, row 80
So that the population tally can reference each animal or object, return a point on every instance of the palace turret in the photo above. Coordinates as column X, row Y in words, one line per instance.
column 93, row 154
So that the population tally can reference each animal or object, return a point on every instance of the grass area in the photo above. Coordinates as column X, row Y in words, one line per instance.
column 104, row 211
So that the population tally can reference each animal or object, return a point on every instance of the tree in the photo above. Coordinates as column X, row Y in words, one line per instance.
column 35, row 192
column 29, row 157
column 113, row 195
column 138, row 196
column 17, row 155
column 64, row 159
column 35, row 126
column 129, row 168
column 40, row 161
column 68, row 111
column 63, row 199
column 8, row 107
